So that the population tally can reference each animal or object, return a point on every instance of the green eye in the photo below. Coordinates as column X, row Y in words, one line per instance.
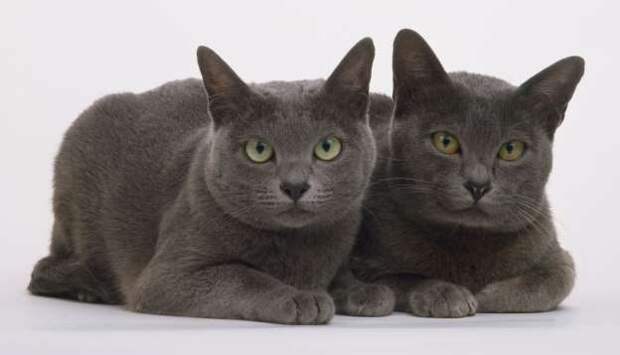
column 512, row 150
column 258, row 151
column 446, row 143
column 328, row 149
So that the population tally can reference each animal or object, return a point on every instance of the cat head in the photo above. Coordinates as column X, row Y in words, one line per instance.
column 469, row 149
column 289, row 154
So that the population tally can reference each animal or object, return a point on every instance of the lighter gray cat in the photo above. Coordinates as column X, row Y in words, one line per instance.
column 458, row 221
column 218, row 199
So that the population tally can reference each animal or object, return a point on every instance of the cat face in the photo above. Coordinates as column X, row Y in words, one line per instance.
column 290, row 154
column 470, row 149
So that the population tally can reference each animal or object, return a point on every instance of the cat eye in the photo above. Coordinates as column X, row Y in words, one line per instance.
column 258, row 151
column 512, row 150
column 328, row 149
column 446, row 143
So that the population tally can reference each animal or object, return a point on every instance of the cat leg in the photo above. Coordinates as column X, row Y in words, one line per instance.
column 426, row 297
column 540, row 289
column 229, row 291
column 356, row 298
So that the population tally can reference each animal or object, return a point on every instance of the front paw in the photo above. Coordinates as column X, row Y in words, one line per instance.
column 365, row 300
column 301, row 307
column 442, row 300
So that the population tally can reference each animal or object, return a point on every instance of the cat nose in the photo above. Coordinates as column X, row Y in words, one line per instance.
column 477, row 189
column 294, row 190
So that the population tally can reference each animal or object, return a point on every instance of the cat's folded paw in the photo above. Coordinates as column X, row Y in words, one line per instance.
column 365, row 300
column 83, row 296
column 442, row 300
column 302, row 307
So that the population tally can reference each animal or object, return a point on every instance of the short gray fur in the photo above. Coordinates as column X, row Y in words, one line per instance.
column 424, row 235
column 156, row 205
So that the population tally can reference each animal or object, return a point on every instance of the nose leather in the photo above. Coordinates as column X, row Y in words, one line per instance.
column 477, row 190
column 294, row 190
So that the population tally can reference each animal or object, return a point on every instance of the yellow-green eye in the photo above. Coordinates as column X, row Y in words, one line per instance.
column 512, row 150
column 328, row 149
column 446, row 143
column 258, row 151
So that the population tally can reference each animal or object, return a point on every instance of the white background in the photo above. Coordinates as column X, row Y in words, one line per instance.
column 56, row 57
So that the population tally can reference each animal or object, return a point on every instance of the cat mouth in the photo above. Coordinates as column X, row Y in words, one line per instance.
column 295, row 211
column 475, row 212
column 295, row 217
column 471, row 209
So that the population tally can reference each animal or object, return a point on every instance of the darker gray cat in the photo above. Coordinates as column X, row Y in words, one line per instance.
column 243, row 205
column 458, row 221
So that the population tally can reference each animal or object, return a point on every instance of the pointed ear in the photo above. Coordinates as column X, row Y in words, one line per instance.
column 419, row 77
column 350, row 81
column 226, row 92
column 551, row 89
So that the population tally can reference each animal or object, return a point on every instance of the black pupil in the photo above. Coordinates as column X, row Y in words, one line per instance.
column 446, row 141
column 509, row 148
column 260, row 148
column 326, row 146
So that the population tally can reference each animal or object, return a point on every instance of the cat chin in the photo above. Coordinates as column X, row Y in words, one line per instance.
column 290, row 218
column 283, row 225
column 471, row 216
column 483, row 221
column 295, row 218
column 302, row 219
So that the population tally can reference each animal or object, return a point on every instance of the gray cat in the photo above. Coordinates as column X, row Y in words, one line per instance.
column 239, row 202
column 458, row 221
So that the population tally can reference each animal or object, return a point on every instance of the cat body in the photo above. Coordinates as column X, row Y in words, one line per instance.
column 457, row 222
column 161, row 202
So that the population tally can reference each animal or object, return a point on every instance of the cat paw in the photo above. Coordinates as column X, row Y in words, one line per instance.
column 442, row 300
column 365, row 300
column 303, row 307
column 87, row 297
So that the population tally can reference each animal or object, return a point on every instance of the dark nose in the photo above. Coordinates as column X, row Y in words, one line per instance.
column 477, row 190
column 294, row 190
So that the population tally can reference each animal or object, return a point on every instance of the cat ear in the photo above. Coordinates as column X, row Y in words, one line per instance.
column 349, row 83
column 552, row 88
column 418, row 74
column 226, row 92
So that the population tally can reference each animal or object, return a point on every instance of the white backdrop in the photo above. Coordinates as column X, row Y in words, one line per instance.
column 56, row 57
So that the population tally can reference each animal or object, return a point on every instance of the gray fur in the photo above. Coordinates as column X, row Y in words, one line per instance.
column 443, row 254
column 157, row 207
